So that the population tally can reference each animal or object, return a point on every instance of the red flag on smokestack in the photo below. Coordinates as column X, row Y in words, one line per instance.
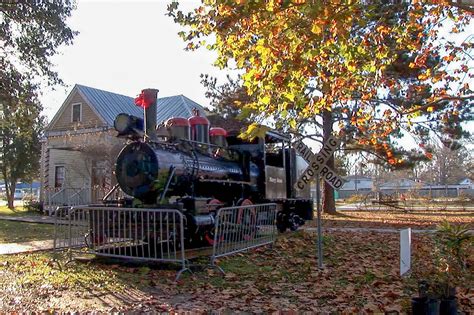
column 144, row 100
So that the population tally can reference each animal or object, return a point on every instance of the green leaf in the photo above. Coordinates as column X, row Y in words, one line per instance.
column 292, row 123
column 265, row 100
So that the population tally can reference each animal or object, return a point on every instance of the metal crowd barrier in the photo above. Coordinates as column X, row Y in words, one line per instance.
column 70, row 228
column 239, row 229
column 143, row 234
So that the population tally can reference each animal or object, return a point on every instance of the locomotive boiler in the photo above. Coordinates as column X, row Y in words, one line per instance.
column 187, row 165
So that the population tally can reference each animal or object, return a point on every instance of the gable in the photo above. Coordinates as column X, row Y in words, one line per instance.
column 99, row 108
column 177, row 106
column 63, row 118
column 108, row 105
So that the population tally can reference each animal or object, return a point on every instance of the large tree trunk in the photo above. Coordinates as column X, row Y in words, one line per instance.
column 329, row 203
column 10, row 191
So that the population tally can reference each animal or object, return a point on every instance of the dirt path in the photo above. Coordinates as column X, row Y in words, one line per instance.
column 30, row 219
column 26, row 247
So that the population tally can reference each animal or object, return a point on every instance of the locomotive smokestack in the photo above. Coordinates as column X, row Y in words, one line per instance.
column 151, row 95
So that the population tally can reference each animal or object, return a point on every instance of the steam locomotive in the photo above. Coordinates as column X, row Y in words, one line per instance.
column 189, row 166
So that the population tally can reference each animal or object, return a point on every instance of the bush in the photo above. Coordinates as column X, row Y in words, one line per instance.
column 452, row 243
column 33, row 205
column 356, row 198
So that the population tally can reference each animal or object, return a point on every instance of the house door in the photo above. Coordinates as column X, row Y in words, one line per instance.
column 100, row 180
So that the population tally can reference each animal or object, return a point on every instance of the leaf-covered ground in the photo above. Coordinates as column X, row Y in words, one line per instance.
column 395, row 219
column 361, row 275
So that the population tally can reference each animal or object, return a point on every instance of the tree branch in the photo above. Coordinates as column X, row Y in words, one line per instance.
column 469, row 7
column 435, row 102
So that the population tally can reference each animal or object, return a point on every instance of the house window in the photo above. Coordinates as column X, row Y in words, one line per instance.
column 59, row 176
column 76, row 112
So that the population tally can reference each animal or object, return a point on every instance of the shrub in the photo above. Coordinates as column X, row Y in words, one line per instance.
column 33, row 205
column 452, row 244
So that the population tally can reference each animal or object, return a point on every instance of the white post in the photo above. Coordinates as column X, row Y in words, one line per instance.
column 405, row 251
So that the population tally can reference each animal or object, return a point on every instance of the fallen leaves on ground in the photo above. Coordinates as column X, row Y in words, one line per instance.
column 395, row 219
column 361, row 275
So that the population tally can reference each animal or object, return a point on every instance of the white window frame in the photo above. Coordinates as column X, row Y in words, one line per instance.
column 55, row 177
column 72, row 112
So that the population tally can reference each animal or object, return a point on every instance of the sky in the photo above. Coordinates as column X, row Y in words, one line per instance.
column 126, row 46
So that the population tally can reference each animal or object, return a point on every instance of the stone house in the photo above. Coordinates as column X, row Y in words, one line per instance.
column 80, row 144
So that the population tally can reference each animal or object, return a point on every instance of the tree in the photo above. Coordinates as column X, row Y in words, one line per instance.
column 450, row 164
column 21, row 125
column 342, row 66
column 227, row 98
column 30, row 34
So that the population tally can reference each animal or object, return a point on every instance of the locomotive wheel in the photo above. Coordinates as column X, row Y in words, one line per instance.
column 209, row 236
column 290, row 221
column 250, row 213
column 213, row 205
column 281, row 224
column 247, row 218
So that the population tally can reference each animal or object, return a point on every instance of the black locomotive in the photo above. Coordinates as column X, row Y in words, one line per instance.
column 184, row 164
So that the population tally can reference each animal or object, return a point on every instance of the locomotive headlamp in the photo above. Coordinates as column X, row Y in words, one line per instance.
column 122, row 123
column 127, row 124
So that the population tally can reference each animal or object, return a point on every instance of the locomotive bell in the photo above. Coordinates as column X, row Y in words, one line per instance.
column 127, row 124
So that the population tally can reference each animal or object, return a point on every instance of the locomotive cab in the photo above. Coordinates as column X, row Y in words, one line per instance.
column 283, row 166
column 280, row 166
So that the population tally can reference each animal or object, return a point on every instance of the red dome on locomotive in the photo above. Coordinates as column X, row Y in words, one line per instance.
column 199, row 127
column 198, row 120
column 218, row 136
column 217, row 131
column 178, row 127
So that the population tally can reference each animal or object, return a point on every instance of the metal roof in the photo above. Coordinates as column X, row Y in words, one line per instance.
column 108, row 105
column 359, row 177
column 404, row 182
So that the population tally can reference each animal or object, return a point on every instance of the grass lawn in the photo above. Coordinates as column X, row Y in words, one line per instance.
column 360, row 276
column 17, row 212
column 15, row 232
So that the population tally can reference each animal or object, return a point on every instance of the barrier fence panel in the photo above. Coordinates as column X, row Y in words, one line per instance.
column 70, row 227
column 241, row 228
column 143, row 234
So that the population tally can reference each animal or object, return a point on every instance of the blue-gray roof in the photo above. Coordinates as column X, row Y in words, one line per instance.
column 108, row 105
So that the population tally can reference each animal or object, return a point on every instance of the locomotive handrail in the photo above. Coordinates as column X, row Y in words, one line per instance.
column 168, row 181
column 106, row 197
column 225, row 181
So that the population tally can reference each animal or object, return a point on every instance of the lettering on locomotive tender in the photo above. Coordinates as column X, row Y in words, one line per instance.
column 275, row 180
